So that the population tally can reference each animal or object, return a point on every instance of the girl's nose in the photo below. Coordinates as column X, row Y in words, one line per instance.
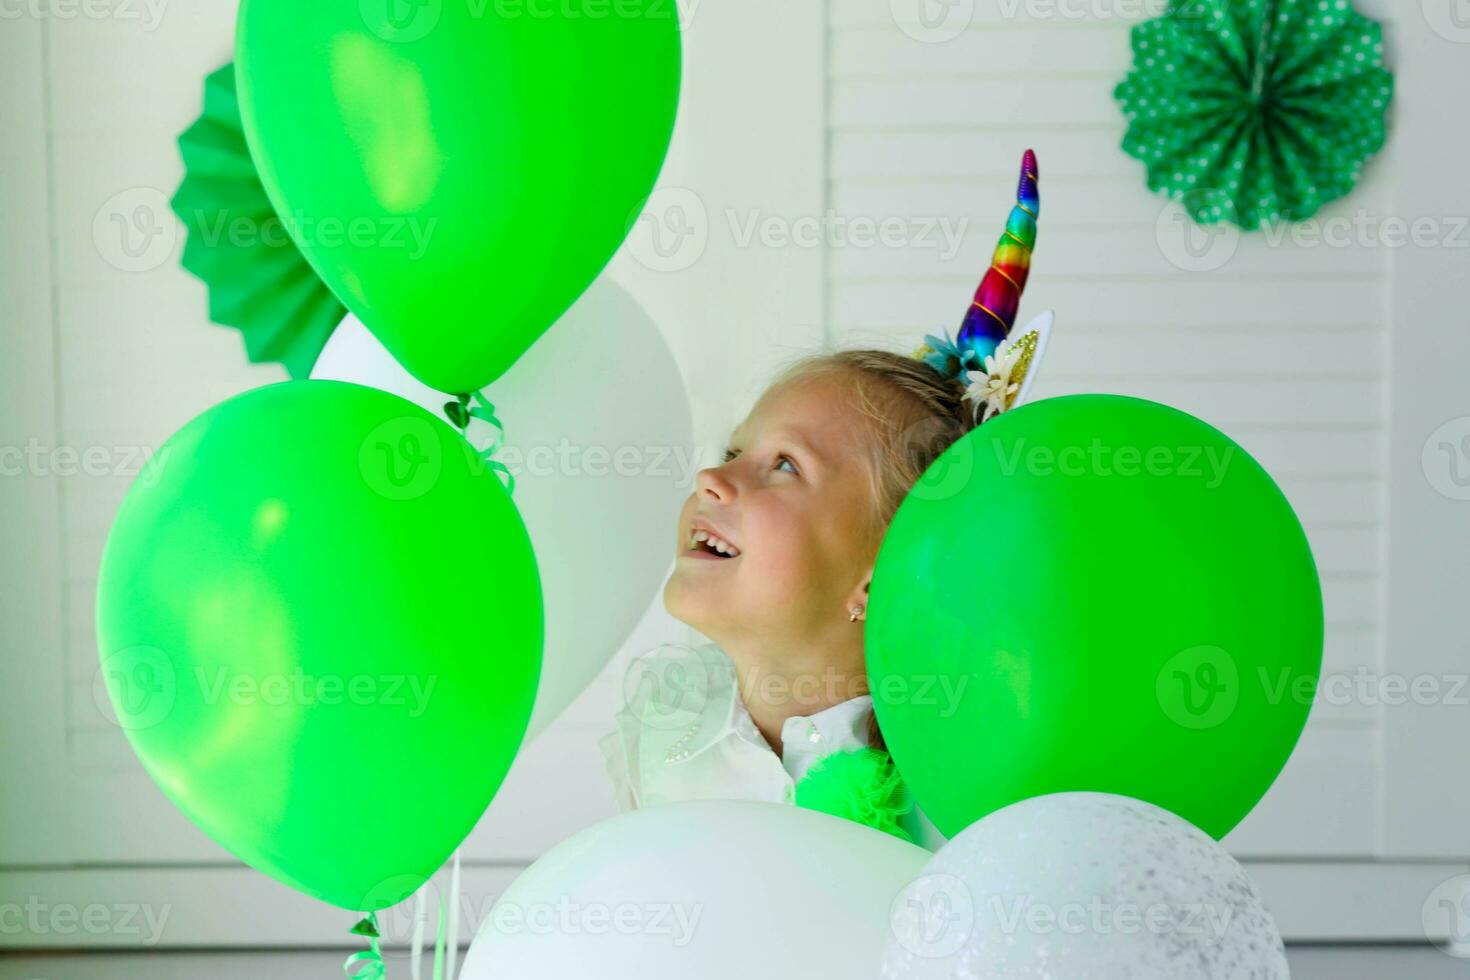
column 713, row 481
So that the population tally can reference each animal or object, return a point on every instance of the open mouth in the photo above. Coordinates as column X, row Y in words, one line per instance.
column 702, row 544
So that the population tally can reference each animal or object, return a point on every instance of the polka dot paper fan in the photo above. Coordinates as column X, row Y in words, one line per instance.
column 1256, row 111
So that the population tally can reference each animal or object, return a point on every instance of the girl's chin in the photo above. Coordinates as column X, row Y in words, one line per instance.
column 693, row 603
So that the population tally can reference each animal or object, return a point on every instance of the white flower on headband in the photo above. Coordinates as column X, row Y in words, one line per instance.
column 993, row 390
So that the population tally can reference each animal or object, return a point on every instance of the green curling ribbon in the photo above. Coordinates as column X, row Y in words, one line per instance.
column 460, row 414
column 367, row 964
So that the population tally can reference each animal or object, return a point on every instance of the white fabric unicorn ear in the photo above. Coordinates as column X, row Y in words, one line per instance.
column 1027, row 346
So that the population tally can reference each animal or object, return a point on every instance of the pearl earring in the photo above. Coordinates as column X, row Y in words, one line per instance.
column 856, row 612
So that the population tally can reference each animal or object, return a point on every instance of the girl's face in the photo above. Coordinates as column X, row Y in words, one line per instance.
column 794, row 499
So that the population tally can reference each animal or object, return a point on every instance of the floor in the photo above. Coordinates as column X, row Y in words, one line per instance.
column 1307, row 963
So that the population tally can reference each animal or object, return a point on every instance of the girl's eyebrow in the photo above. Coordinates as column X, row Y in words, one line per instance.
column 793, row 436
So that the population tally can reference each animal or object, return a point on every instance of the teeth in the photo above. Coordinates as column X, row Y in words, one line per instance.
column 719, row 544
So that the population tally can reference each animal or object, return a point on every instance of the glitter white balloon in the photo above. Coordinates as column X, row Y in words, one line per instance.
column 1082, row 886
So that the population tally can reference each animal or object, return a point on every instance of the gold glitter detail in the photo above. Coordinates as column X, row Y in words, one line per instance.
column 1023, row 362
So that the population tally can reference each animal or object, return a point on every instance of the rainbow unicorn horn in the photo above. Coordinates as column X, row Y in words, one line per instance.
column 992, row 314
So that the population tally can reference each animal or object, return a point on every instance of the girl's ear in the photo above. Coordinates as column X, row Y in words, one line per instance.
column 859, row 596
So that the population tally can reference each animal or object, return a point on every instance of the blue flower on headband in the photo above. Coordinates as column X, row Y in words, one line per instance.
column 948, row 358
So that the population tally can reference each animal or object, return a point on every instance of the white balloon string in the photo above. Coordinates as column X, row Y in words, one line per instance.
column 453, row 916
column 420, row 914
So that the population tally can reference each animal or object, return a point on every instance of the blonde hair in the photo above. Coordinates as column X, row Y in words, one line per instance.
column 914, row 414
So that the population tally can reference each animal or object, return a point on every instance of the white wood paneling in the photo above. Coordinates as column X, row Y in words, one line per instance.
column 1279, row 338
column 1332, row 364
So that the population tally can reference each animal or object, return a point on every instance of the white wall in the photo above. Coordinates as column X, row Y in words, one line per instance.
column 1332, row 365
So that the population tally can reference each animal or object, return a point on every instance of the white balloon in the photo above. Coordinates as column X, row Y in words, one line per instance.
column 1083, row 886
column 599, row 438
column 713, row 889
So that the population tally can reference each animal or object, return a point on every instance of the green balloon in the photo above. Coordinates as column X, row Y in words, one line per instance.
column 458, row 173
column 1093, row 593
column 320, row 624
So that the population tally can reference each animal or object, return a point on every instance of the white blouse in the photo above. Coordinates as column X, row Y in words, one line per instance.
column 684, row 733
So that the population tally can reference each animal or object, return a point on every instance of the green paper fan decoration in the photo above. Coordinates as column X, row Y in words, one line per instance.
column 259, row 282
column 1255, row 111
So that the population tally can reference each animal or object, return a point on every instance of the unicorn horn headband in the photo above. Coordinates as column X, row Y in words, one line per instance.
column 996, row 368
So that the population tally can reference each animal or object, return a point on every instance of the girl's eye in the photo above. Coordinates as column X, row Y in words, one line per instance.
column 731, row 454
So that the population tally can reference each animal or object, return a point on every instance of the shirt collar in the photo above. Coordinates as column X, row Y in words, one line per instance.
column 804, row 738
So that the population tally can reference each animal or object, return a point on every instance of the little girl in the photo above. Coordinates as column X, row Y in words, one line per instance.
column 775, row 552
